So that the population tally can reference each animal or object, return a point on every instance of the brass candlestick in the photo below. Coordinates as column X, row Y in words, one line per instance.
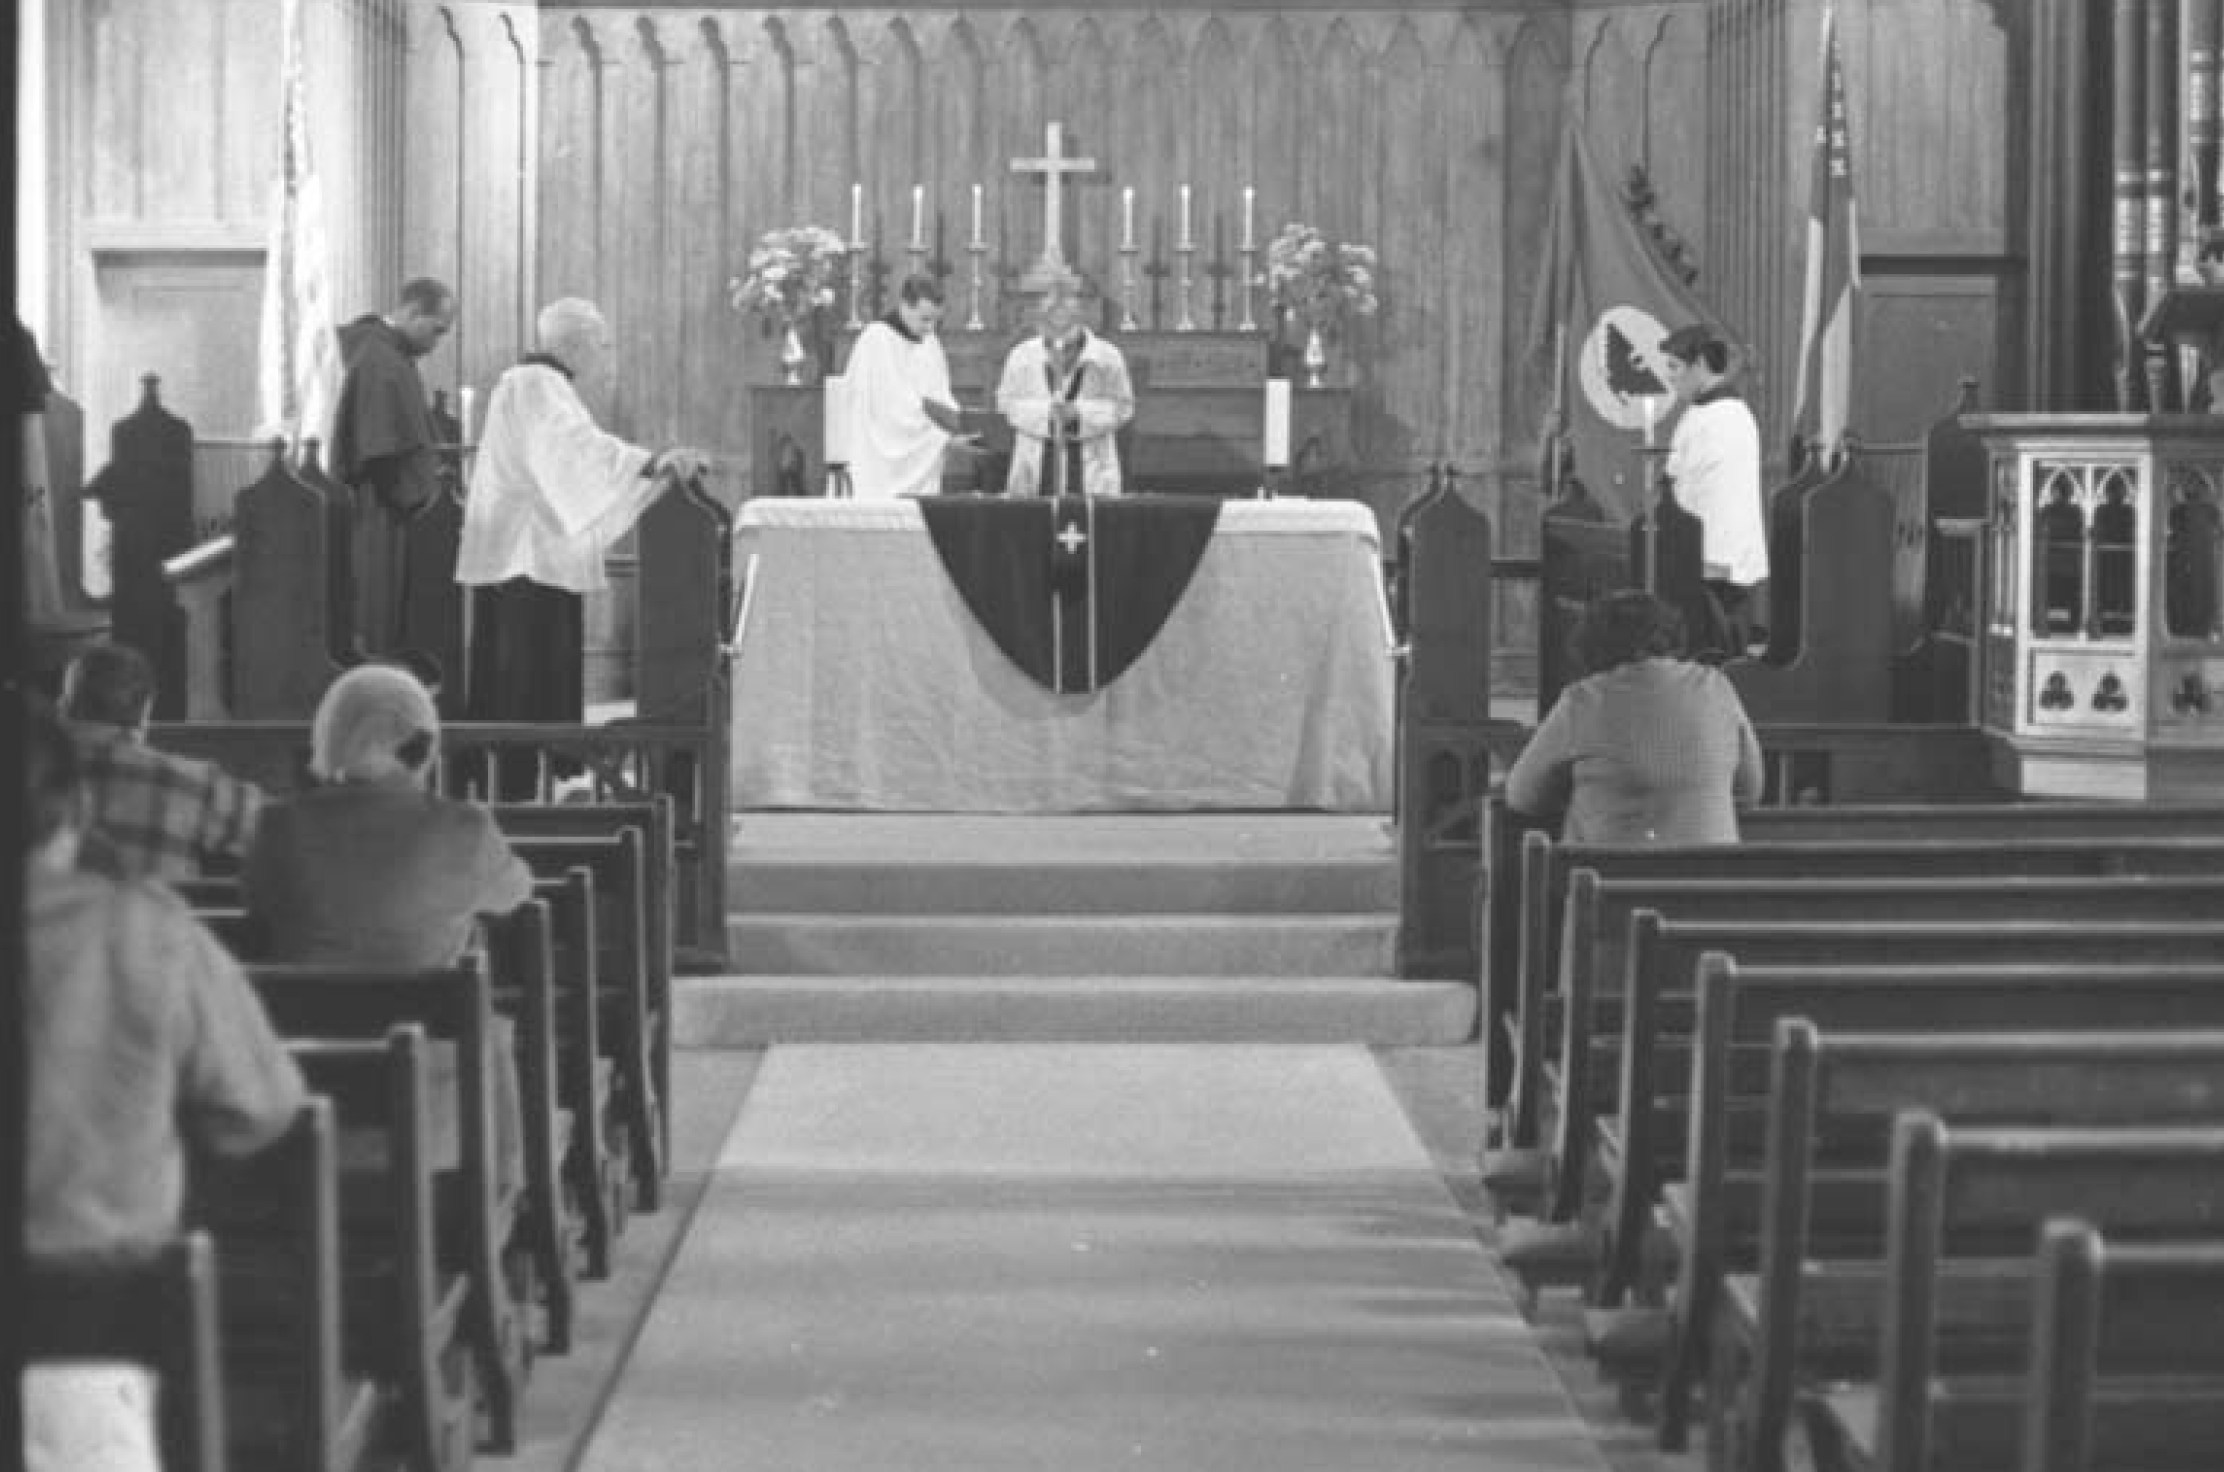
column 1128, row 253
column 856, row 281
column 1250, row 257
column 1187, row 252
column 978, row 250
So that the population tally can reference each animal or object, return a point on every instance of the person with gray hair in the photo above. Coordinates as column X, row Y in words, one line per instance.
column 368, row 867
column 1066, row 393
column 550, row 492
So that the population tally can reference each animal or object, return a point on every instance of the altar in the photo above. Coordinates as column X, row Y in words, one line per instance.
column 862, row 680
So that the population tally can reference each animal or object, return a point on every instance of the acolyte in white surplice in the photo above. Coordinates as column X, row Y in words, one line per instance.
column 893, row 448
column 1095, row 383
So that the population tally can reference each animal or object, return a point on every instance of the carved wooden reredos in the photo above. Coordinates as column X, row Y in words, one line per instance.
column 633, row 153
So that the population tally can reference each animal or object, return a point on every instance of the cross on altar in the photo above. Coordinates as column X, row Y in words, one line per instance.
column 1053, row 166
column 1071, row 538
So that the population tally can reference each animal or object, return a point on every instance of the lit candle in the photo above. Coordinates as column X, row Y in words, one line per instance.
column 1277, row 454
column 856, row 214
column 918, row 217
column 977, row 239
column 1246, row 217
column 1185, row 240
column 1650, row 410
column 1127, row 218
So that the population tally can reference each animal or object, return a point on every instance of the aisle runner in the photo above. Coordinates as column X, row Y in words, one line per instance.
column 1061, row 1258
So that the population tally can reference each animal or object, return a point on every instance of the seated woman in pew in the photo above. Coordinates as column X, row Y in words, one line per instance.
column 369, row 867
column 1648, row 747
column 140, row 1033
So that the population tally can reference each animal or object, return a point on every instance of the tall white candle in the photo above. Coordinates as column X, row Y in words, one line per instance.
column 467, row 399
column 1246, row 217
column 1277, row 448
column 977, row 238
column 856, row 214
column 835, row 398
column 918, row 216
column 1185, row 239
column 1127, row 218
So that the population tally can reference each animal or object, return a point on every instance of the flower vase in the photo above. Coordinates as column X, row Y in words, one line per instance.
column 1316, row 357
column 792, row 358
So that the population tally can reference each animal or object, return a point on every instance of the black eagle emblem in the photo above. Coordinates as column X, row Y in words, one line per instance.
column 1624, row 374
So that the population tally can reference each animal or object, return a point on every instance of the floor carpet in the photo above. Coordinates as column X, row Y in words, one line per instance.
column 1077, row 1257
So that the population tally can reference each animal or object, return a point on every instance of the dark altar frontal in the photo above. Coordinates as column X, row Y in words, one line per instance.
column 1199, row 426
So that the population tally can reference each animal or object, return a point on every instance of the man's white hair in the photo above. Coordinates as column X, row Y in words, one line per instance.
column 569, row 323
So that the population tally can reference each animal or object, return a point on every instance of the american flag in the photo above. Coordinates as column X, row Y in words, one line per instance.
column 299, row 352
column 1833, row 292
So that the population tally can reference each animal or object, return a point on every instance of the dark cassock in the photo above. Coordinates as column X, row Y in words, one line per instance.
column 42, row 586
column 383, row 450
column 550, row 492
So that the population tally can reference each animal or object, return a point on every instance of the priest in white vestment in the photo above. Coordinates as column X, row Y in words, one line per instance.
column 550, row 492
column 902, row 414
column 1066, row 394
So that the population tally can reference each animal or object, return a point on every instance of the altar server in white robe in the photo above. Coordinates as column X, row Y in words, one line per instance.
column 902, row 414
column 1066, row 393
column 550, row 492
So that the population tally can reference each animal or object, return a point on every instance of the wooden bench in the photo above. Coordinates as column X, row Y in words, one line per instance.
column 2127, row 1369
column 1647, row 1057
column 1594, row 929
column 454, row 1006
column 662, row 870
column 595, row 1177
column 634, row 1025
column 1498, row 899
column 632, row 764
column 1715, row 1210
column 157, row 1310
column 521, row 973
column 1814, row 1192
column 290, row 1398
column 1967, row 1209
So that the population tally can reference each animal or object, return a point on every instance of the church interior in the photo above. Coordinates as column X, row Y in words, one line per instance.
column 1077, row 980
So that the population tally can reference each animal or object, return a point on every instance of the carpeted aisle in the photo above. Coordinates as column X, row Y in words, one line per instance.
column 1062, row 1258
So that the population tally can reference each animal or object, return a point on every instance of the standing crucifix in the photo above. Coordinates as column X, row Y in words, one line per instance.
column 1053, row 166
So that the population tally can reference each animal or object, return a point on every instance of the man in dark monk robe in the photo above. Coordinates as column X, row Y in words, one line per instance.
column 382, row 449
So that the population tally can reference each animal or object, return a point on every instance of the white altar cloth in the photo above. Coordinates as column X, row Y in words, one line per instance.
column 862, row 681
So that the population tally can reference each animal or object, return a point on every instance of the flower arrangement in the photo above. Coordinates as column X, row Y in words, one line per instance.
column 1314, row 280
column 792, row 275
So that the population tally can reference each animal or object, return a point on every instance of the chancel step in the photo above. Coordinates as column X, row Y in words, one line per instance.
column 1062, row 945
column 755, row 1011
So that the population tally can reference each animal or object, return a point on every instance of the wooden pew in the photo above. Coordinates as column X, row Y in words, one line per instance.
column 1499, row 895
column 453, row 1005
column 2127, row 1369
column 661, row 870
column 630, row 763
column 596, row 1179
column 631, row 1023
column 158, row 1311
column 1814, row 1192
column 1967, row 1206
column 290, row 1398
column 536, row 978
column 1593, row 926
column 1713, row 1212
column 1646, row 1124
column 521, row 969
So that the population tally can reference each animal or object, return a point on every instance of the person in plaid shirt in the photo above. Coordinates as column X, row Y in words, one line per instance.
column 156, row 815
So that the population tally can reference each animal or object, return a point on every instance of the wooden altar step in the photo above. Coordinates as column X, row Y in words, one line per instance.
column 1133, row 927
